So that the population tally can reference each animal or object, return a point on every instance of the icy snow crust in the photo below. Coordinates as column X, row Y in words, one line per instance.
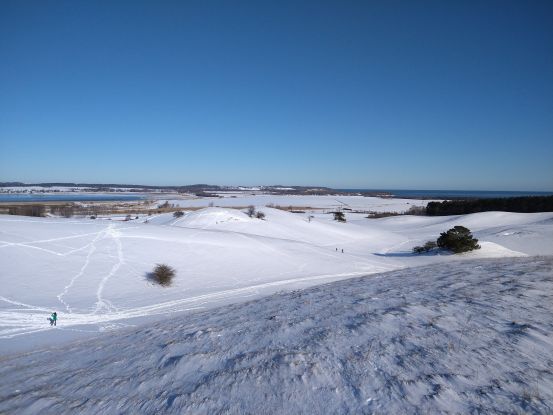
column 93, row 272
column 461, row 337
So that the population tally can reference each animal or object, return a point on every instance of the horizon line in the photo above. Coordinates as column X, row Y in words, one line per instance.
column 72, row 184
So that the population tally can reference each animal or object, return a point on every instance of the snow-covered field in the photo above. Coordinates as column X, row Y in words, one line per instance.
column 330, row 202
column 458, row 337
column 93, row 272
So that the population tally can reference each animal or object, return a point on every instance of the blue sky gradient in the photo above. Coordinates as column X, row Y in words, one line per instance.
column 367, row 94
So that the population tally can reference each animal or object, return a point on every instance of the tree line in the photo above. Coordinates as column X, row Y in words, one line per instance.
column 526, row 204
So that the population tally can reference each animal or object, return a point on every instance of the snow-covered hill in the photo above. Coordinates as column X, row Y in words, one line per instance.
column 93, row 272
column 460, row 337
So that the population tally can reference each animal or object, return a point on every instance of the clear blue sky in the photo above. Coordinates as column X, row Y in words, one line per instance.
column 367, row 94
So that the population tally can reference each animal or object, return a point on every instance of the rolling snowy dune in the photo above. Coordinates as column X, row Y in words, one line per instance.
column 462, row 337
column 93, row 272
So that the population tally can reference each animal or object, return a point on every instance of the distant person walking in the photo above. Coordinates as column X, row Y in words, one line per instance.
column 53, row 318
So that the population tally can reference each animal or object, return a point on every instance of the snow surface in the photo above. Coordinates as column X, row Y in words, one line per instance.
column 458, row 337
column 93, row 272
column 330, row 202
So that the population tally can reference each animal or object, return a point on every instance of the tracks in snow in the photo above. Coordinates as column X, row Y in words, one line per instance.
column 102, row 303
column 91, row 251
column 26, row 322
column 28, row 318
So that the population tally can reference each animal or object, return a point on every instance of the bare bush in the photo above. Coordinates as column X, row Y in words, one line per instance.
column 66, row 211
column 27, row 210
column 251, row 211
column 260, row 215
column 164, row 205
column 162, row 274
column 339, row 216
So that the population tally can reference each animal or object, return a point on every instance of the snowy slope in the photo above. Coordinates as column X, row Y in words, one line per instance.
column 463, row 337
column 529, row 233
column 284, row 225
column 94, row 272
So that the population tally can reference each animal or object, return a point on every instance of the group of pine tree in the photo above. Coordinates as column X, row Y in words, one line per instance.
column 526, row 204
column 457, row 240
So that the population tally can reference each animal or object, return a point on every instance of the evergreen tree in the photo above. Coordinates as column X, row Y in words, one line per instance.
column 458, row 239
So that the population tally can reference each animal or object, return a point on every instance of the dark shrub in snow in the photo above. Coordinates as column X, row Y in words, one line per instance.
column 427, row 247
column 339, row 216
column 178, row 214
column 458, row 239
column 260, row 215
column 163, row 275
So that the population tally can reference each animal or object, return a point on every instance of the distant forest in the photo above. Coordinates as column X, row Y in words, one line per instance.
column 526, row 204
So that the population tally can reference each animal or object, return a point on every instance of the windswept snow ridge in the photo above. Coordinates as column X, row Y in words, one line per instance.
column 463, row 337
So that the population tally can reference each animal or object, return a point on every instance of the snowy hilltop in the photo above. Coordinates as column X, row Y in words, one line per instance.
column 461, row 337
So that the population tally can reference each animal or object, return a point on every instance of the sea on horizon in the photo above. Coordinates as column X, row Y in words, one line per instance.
column 453, row 194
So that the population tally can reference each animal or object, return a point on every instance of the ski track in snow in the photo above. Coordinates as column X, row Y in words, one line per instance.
column 110, row 231
column 25, row 323
column 71, row 251
column 20, row 323
column 66, row 289
column 103, row 303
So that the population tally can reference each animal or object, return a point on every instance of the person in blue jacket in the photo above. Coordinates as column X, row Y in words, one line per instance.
column 53, row 318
